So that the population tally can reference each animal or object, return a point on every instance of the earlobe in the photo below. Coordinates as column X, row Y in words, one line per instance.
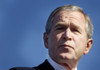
column 45, row 37
column 88, row 47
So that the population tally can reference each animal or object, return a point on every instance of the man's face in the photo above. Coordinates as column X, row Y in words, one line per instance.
column 67, row 39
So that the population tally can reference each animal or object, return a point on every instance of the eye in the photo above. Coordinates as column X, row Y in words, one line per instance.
column 60, row 28
column 74, row 30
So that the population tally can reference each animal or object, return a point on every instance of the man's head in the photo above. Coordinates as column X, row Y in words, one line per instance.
column 68, row 34
column 89, row 27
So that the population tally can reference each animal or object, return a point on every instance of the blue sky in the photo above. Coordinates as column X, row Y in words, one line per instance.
column 22, row 24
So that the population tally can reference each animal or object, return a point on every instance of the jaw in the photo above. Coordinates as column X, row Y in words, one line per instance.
column 68, row 60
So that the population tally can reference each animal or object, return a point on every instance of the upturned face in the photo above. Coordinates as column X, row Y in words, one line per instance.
column 68, row 37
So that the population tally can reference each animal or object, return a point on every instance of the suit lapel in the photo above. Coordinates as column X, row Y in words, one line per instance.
column 44, row 66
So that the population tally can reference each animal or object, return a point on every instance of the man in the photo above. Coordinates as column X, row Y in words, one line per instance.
column 68, row 36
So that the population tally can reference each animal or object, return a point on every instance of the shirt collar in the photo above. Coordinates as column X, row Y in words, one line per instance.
column 55, row 65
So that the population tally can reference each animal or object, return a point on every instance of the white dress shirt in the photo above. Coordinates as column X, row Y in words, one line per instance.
column 55, row 65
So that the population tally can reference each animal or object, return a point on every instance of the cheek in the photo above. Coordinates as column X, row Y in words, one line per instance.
column 54, row 41
column 80, row 44
column 80, row 39
column 56, row 37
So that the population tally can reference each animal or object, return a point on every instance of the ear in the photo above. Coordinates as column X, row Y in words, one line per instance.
column 89, row 45
column 45, row 37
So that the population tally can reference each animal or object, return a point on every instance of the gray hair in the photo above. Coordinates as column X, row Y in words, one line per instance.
column 89, row 26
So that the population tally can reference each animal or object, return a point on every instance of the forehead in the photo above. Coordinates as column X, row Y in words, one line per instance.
column 72, row 19
column 69, row 17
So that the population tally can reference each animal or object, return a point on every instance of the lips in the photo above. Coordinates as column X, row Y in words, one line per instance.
column 66, row 45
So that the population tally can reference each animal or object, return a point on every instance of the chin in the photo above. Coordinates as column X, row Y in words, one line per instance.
column 66, row 56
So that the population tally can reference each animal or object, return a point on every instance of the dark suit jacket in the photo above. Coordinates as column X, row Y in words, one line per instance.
column 44, row 66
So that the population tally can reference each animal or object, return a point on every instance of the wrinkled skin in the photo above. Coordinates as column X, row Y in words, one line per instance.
column 68, row 41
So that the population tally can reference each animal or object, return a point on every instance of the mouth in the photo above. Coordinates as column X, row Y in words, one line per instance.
column 66, row 46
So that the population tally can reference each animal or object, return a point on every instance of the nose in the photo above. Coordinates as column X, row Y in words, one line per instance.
column 67, row 34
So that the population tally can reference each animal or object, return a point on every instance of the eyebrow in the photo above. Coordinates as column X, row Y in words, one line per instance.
column 64, row 24
column 60, row 25
column 72, row 25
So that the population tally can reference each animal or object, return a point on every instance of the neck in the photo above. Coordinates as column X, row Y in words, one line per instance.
column 67, row 64
column 70, row 65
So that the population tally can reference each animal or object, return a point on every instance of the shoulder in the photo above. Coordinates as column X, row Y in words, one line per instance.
column 44, row 66
column 22, row 68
